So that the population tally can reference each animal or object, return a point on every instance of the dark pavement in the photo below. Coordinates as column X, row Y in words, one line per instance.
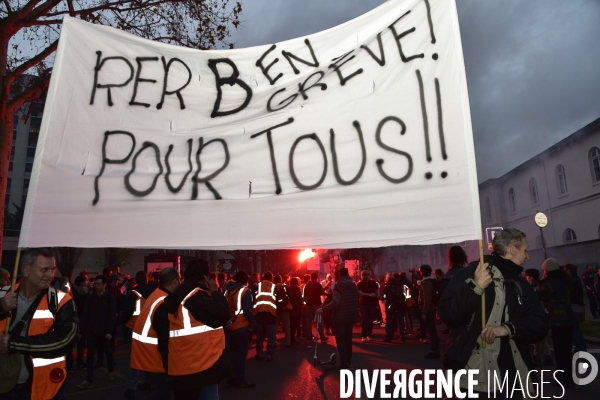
column 291, row 374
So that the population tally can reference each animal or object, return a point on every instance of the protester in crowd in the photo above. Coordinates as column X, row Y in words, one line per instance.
column 367, row 304
column 532, row 276
column 312, row 297
column 427, row 305
column 578, row 307
column 588, row 278
column 240, row 302
column 457, row 260
column 135, row 300
column 344, row 314
column 328, row 285
column 145, row 355
column 555, row 292
column 514, row 315
column 265, row 313
column 193, row 356
column 41, row 340
column 306, row 322
column 97, row 325
column 4, row 277
column 406, row 315
column 80, row 293
column 284, row 307
column 395, row 307
column 295, row 315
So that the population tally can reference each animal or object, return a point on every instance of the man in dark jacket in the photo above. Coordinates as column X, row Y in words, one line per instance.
column 97, row 325
column 578, row 307
column 33, row 337
column 344, row 313
column 514, row 314
column 312, row 297
column 395, row 306
column 205, row 311
column 588, row 282
column 367, row 304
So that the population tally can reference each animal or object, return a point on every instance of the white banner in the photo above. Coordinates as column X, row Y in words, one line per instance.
column 357, row 136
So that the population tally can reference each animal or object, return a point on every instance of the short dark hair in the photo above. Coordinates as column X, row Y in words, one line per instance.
column 196, row 270
column 532, row 272
column 102, row 278
column 140, row 278
column 29, row 256
column 572, row 268
column 277, row 279
column 294, row 281
column 344, row 272
column 167, row 276
column 267, row 276
column 79, row 280
column 439, row 272
column 425, row 270
column 314, row 276
column 505, row 238
column 241, row 277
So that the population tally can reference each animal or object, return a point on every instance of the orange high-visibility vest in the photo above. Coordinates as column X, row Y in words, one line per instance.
column 144, row 340
column 193, row 346
column 42, row 387
column 235, row 308
column 265, row 298
column 139, row 304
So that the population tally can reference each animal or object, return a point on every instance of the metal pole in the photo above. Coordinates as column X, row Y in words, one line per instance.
column 543, row 243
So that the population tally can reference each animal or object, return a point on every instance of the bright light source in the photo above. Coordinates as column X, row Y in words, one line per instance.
column 306, row 254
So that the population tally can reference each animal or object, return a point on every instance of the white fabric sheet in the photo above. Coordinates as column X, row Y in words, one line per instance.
column 394, row 76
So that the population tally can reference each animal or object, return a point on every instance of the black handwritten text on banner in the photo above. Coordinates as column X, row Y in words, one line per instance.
column 355, row 136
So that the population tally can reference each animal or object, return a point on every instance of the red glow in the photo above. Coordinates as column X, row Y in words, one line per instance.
column 306, row 254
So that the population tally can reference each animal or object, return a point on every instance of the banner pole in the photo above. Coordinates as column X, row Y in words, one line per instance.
column 483, row 295
column 13, row 284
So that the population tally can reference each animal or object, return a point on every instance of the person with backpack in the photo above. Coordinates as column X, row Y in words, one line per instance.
column 284, row 307
column 395, row 306
column 514, row 317
column 428, row 298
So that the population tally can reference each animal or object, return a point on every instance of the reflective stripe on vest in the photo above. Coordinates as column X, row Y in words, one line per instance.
column 261, row 293
column 138, row 303
column 42, row 362
column 406, row 292
column 143, row 337
column 303, row 287
column 60, row 295
column 187, row 329
column 42, row 314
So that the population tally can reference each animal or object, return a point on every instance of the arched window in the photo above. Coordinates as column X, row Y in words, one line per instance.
column 488, row 208
column 511, row 200
column 533, row 191
column 569, row 236
column 561, row 180
column 594, row 157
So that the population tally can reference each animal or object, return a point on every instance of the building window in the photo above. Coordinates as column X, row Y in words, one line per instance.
column 488, row 208
column 561, row 180
column 569, row 236
column 595, row 164
column 511, row 200
column 533, row 191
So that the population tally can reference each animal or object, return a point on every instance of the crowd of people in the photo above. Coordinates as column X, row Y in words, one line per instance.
column 189, row 333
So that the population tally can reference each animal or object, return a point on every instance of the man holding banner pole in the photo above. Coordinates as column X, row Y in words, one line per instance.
column 514, row 316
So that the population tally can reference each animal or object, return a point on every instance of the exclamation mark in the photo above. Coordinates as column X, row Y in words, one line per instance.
column 429, row 175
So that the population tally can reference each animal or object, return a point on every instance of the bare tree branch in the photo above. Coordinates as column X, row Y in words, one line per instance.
column 33, row 60
column 33, row 92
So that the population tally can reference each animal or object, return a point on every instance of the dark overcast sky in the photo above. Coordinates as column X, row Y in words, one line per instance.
column 533, row 66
